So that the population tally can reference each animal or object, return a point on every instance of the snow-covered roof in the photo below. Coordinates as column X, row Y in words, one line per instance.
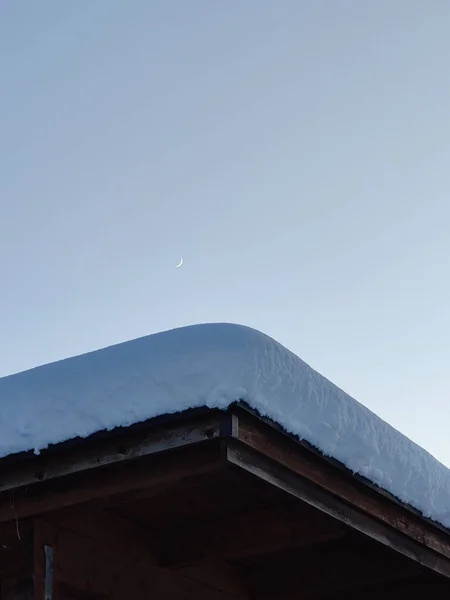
column 215, row 365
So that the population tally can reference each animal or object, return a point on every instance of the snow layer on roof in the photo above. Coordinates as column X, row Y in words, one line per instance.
column 214, row 365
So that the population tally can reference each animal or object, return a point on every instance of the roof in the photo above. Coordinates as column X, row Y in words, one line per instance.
column 214, row 366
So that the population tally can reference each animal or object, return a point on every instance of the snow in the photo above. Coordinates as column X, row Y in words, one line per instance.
column 214, row 365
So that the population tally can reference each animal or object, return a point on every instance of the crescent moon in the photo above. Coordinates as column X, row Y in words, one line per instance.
column 180, row 263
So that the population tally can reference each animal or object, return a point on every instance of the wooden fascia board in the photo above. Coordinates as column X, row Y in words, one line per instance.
column 136, row 479
column 116, row 448
column 268, row 454
column 244, row 409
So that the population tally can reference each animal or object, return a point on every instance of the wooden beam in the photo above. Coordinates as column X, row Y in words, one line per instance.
column 71, row 458
column 337, row 480
column 262, row 467
column 244, row 535
column 151, row 474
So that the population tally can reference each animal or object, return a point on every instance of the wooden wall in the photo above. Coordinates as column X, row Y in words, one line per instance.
column 96, row 557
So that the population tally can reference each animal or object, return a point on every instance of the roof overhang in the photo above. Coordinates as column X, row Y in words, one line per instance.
column 162, row 452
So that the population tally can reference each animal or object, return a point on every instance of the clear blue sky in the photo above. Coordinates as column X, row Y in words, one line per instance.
column 296, row 153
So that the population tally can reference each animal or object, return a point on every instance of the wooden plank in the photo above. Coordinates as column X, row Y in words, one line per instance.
column 106, row 528
column 51, row 465
column 245, row 534
column 258, row 465
column 88, row 569
column 151, row 474
column 340, row 482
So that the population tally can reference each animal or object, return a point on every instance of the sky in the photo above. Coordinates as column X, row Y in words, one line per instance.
column 295, row 154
